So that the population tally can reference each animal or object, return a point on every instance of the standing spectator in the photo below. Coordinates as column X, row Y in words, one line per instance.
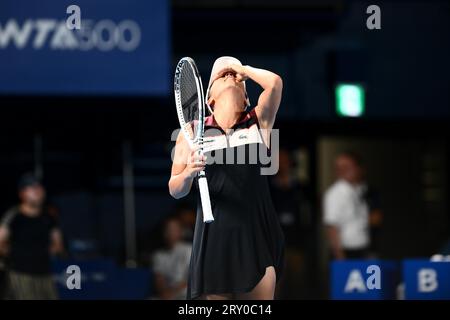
column 294, row 212
column 171, row 264
column 346, row 210
column 28, row 237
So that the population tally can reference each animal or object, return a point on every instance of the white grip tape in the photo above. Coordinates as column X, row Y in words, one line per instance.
column 204, row 196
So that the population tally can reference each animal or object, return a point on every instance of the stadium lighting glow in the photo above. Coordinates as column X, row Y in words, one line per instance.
column 350, row 100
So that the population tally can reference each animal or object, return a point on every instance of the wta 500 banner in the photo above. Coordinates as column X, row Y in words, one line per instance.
column 119, row 47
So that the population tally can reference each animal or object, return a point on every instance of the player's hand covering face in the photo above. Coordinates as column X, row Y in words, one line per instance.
column 230, row 78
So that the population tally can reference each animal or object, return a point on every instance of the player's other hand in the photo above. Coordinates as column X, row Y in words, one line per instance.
column 196, row 163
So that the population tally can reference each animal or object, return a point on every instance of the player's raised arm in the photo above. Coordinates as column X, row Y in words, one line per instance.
column 270, row 98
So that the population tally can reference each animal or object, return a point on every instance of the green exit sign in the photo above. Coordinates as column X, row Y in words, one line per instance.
column 350, row 100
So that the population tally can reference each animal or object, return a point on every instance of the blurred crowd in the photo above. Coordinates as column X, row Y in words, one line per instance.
column 351, row 215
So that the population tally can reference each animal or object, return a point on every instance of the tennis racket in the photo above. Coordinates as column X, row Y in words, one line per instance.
column 190, row 103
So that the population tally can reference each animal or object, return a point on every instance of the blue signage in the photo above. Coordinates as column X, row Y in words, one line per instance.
column 364, row 280
column 100, row 279
column 122, row 47
column 425, row 279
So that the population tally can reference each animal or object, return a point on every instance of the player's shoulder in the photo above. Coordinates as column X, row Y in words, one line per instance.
column 181, row 140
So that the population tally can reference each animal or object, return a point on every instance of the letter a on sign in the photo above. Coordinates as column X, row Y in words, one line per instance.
column 374, row 281
column 74, row 280
column 374, row 20
column 74, row 20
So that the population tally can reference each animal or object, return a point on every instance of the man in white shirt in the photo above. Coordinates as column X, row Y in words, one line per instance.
column 346, row 211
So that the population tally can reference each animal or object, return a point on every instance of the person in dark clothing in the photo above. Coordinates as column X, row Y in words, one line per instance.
column 294, row 212
column 29, row 236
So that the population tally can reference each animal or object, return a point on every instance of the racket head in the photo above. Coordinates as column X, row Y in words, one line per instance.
column 189, row 100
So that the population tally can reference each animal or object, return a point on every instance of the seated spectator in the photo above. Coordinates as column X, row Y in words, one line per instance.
column 171, row 264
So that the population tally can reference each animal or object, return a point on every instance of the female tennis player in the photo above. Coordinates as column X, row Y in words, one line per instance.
column 239, row 255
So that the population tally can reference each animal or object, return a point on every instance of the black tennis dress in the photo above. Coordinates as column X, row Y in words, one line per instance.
column 230, row 255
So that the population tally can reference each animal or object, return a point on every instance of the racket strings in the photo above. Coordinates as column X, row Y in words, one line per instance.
column 189, row 98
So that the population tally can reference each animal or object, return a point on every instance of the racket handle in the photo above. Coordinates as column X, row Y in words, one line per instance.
column 204, row 197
